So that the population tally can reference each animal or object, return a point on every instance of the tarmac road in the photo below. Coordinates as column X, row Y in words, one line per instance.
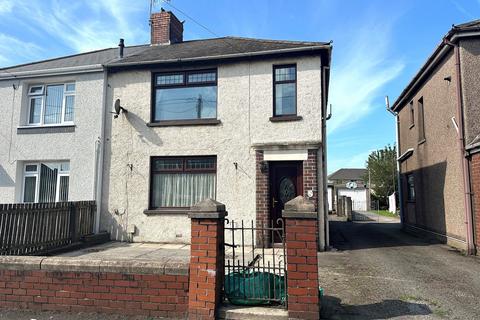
column 380, row 272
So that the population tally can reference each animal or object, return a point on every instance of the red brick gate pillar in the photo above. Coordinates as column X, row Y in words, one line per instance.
column 302, row 262
column 207, row 257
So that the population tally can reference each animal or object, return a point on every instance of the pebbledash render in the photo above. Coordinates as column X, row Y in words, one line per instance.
column 439, row 134
column 235, row 119
column 51, row 129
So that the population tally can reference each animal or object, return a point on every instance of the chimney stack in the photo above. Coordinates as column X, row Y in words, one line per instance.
column 165, row 28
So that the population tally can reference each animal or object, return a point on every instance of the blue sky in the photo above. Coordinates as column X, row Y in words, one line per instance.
column 378, row 45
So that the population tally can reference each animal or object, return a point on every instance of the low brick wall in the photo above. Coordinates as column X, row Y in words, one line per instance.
column 475, row 178
column 127, row 290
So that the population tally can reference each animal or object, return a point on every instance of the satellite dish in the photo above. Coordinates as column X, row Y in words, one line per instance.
column 351, row 185
column 118, row 108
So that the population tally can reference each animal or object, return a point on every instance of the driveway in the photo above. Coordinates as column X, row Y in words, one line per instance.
column 378, row 272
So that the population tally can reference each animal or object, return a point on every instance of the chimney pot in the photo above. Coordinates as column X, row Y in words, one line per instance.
column 121, row 45
column 165, row 28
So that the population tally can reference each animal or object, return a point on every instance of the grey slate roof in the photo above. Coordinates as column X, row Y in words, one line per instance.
column 77, row 60
column 193, row 49
column 348, row 174
column 213, row 48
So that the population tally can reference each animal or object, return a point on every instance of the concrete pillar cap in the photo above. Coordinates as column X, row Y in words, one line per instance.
column 299, row 207
column 207, row 209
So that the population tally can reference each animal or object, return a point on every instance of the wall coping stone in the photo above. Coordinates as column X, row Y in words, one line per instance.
column 20, row 262
column 300, row 208
column 299, row 215
column 72, row 264
column 207, row 209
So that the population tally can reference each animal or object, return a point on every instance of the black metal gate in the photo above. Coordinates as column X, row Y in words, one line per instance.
column 255, row 269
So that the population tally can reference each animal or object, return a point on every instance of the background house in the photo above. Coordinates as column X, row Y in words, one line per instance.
column 51, row 129
column 438, row 115
column 349, row 182
column 235, row 119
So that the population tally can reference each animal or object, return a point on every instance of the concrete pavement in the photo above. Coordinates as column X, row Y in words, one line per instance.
column 379, row 272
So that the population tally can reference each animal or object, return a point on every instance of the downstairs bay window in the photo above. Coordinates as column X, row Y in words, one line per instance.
column 46, row 182
column 180, row 182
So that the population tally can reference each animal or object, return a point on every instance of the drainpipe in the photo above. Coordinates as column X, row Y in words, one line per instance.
column 101, row 147
column 397, row 141
column 323, row 227
column 461, row 145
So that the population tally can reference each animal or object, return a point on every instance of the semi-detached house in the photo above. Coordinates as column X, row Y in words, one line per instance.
column 238, row 120
column 51, row 129
column 234, row 119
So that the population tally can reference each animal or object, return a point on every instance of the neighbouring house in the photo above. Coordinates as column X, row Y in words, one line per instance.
column 51, row 129
column 235, row 119
column 438, row 128
column 349, row 182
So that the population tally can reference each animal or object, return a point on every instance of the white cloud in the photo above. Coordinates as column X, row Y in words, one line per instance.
column 6, row 6
column 86, row 25
column 364, row 69
column 13, row 47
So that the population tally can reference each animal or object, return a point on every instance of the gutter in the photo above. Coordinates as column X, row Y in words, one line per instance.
column 50, row 72
column 225, row 56
column 462, row 152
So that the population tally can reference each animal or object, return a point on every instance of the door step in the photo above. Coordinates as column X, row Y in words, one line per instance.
column 231, row 312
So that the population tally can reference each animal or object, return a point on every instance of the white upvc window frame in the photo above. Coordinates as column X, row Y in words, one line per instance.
column 36, row 174
column 43, row 96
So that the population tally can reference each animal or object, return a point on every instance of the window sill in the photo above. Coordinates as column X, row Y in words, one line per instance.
column 285, row 118
column 152, row 212
column 421, row 141
column 58, row 128
column 193, row 122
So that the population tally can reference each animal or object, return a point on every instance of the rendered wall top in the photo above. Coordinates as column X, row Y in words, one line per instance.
column 470, row 67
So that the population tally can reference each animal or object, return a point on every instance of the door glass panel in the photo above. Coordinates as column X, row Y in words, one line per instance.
column 29, row 191
column 63, row 195
column 287, row 190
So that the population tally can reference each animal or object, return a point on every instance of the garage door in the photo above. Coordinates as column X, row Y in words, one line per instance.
column 359, row 198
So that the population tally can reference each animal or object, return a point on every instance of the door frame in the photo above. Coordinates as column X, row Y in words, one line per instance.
column 298, row 164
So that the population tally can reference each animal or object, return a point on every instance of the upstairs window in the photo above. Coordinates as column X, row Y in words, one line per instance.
column 51, row 104
column 421, row 121
column 46, row 182
column 412, row 114
column 284, row 90
column 186, row 95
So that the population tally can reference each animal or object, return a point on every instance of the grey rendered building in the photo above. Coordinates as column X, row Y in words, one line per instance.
column 438, row 122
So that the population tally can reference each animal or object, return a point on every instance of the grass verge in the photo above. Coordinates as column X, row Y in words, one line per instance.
column 385, row 213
